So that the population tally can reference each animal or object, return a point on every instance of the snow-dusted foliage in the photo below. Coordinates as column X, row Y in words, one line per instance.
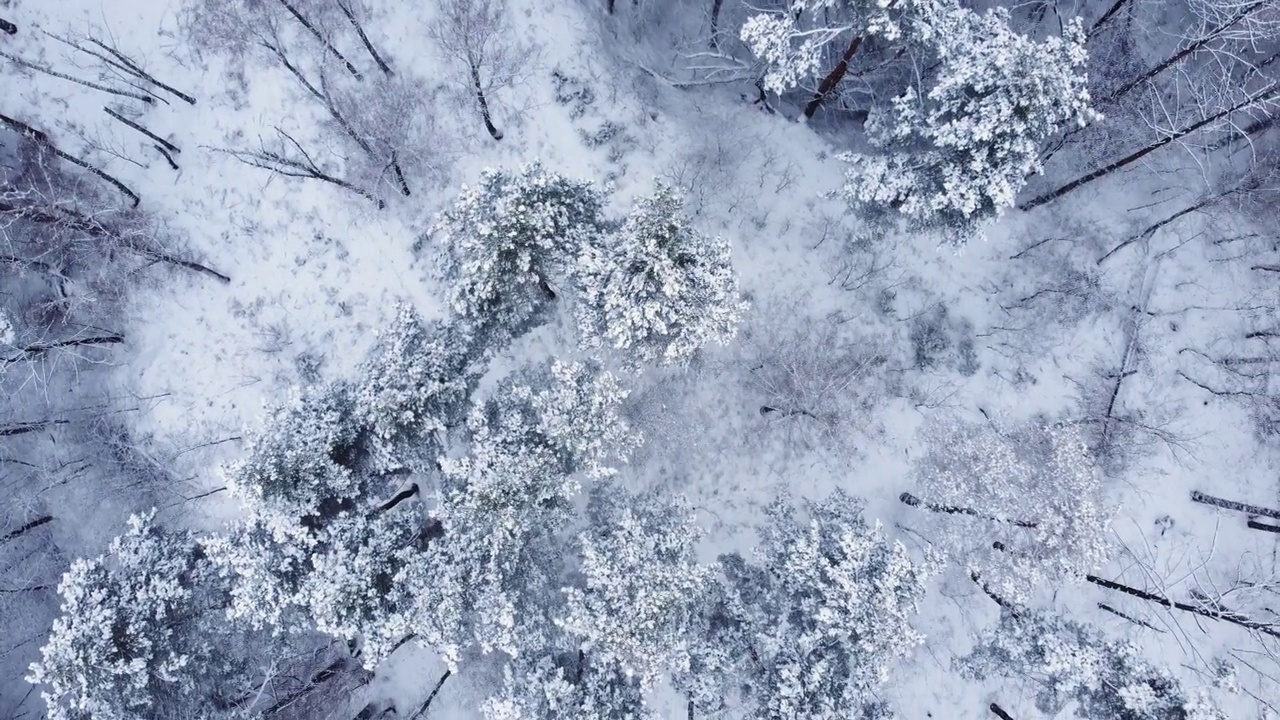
column 415, row 383
column 301, row 456
column 507, row 239
column 657, row 289
column 1106, row 677
column 495, row 569
column 567, row 685
column 794, row 40
column 954, row 151
column 641, row 582
column 1033, row 488
column 962, row 132
column 813, row 623
column 131, row 642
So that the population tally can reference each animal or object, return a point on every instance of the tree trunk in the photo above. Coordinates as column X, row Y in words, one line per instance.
column 382, row 65
column 1255, row 525
column 999, row 712
column 8, row 27
column 833, row 78
column 86, row 83
column 1107, row 608
column 1270, row 91
column 330, row 48
column 42, row 140
column 715, row 22
column 317, row 680
column 484, row 104
column 132, row 67
column 1156, row 226
column 909, row 499
column 40, row 348
column 1197, row 496
column 29, row 427
column 399, row 497
column 427, row 703
column 1265, row 628
column 1110, row 13
column 1188, row 50
column 976, row 578
column 26, row 528
column 167, row 145
column 690, row 709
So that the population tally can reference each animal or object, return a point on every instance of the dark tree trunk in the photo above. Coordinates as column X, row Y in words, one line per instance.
column 715, row 22
column 1188, row 50
column 373, row 53
column 546, row 289
column 29, row 427
column 132, row 67
column 330, row 48
column 43, row 347
column 411, row 491
column 167, row 145
column 63, row 76
column 999, row 712
column 1012, row 608
column 26, row 528
column 8, row 27
column 427, row 703
column 1107, row 608
column 395, row 168
column 833, row 78
column 908, row 499
column 1197, row 496
column 1271, row 91
column 1255, row 525
column 690, row 709
column 41, row 140
column 1110, row 13
column 1265, row 628
column 484, row 104
column 1156, row 226
column 610, row 6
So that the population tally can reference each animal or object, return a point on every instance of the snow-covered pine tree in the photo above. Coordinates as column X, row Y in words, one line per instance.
column 505, row 241
column 1106, row 677
column 640, row 583
column 965, row 124
column 954, row 150
column 1033, row 488
column 657, row 289
column 494, row 572
column 416, row 383
column 567, row 685
column 139, row 634
column 812, row 624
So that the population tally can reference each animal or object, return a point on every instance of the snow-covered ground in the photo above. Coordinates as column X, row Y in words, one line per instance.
column 315, row 270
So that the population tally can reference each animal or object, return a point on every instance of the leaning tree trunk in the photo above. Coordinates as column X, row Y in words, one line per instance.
column 833, row 78
column 8, row 27
column 1262, row 627
column 999, row 712
column 1266, row 94
column 26, row 528
column 484, row 104
column 323, row 41
column 1197, row 496
column 908, row 499
column 427, row 703
column 1110, row 13
column 1183, row 53
column 715, row 23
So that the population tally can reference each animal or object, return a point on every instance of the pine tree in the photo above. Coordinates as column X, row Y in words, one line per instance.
column 657, row 289
column 1034, row 489
column 954, row 152
column 1106, row 677
column 416, row 384
column 138, row 635
column 640, row 583
column 507, row 240
column 501, row 506
column 811, row 626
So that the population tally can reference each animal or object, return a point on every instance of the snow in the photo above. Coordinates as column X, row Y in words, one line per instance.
column 315, row 272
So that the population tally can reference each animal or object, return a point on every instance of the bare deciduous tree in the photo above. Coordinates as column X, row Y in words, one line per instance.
column 476, row 36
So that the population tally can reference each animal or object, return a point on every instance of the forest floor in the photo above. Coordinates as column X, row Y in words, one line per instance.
column 1017, row 330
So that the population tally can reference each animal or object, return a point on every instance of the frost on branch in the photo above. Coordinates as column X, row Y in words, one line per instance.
column 811, row 626
column 657, row 288
column 1106, row 677
column 494, row 569
column 1033, row 488
column 133, row 641
column 415, row 384
column 955, row 150
column 506, row 240
column 641, row 582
